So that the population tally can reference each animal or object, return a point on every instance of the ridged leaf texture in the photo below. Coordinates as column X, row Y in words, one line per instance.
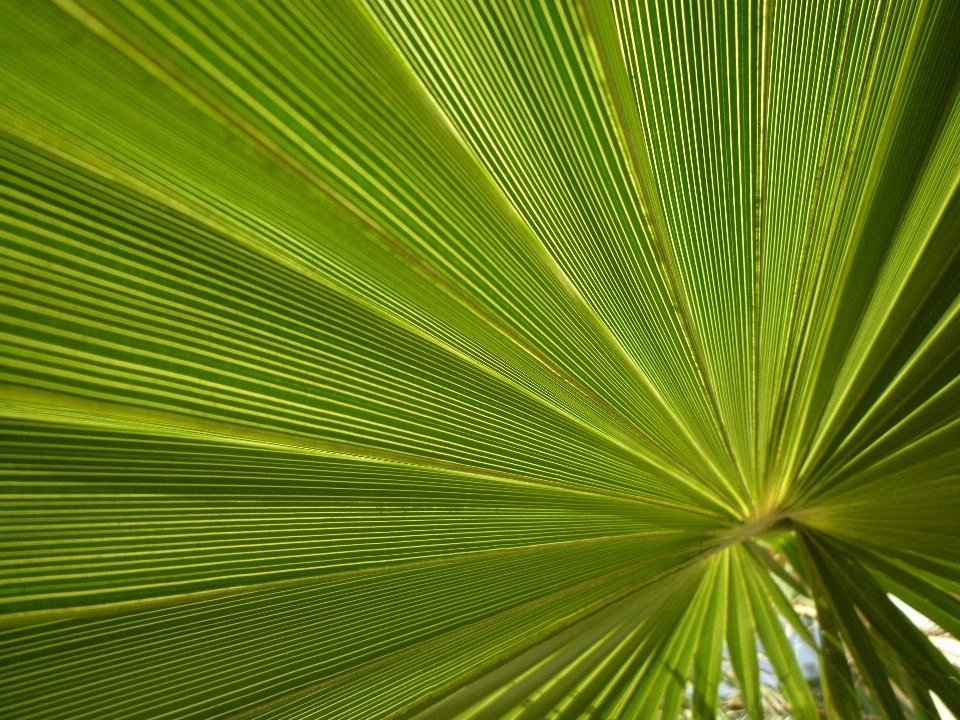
column 484, row 359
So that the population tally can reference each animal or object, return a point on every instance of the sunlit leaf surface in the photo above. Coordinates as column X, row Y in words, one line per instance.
column 415, row 358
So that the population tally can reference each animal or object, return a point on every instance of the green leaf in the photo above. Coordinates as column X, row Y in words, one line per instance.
column 741, row 637
column 925, row 662
column 853, row 631
column 779, row 652
column 369, row 359
column 706, row 664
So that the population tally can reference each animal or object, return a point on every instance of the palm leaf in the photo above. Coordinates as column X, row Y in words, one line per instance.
column 499, row 360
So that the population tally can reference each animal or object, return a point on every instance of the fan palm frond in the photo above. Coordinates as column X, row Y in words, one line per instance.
column 561, row 359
